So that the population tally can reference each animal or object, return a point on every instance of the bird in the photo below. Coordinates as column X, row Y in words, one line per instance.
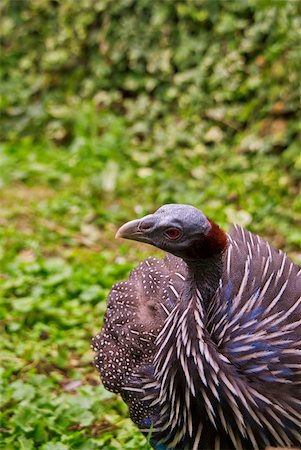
column 204, row 346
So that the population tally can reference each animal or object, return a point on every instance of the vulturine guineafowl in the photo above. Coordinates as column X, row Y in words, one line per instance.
column 205, row 345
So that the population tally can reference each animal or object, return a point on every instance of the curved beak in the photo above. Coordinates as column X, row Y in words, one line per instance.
column 136, row 230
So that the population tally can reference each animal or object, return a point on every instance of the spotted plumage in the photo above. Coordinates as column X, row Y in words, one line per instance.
column 205, row 346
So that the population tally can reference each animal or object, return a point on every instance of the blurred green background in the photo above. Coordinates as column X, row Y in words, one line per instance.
column 108, row 110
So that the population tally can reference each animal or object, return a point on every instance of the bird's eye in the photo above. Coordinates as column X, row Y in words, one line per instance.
column 172, row 233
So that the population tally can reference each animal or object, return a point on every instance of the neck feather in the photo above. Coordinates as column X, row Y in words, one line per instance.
column 203, row 277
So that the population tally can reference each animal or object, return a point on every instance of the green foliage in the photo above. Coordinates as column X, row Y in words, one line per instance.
column 210, row 62
column 110, row 109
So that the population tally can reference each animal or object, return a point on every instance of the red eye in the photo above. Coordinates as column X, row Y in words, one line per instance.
column 172, row 233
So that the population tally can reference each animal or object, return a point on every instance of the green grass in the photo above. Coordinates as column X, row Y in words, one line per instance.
column 58, row 262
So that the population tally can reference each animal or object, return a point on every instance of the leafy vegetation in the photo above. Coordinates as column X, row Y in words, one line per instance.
column 110, row 109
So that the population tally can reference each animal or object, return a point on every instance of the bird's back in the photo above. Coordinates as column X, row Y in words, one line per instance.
column 255, row 317
column 255, row 321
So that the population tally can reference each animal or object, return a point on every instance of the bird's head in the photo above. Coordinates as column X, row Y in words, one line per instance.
column 182, row 230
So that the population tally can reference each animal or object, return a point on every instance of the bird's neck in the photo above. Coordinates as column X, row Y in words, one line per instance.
column 203, row 278
column 204, row 260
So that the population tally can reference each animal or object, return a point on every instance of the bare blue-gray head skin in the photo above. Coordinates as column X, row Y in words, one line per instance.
column 182, row 230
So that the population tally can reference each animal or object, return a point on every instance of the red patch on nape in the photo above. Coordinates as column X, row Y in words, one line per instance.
column 216, row 240
column 214, row 243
